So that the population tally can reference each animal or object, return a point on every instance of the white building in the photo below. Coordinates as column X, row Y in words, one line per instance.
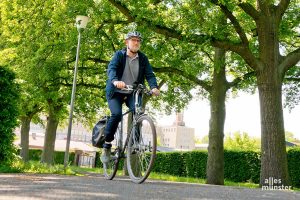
column 177, row 136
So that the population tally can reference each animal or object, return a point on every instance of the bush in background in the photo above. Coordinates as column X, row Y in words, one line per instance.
column 242, row 166
column 239, row 166
column 9, row 97
column 293, row 157
column 59, row 156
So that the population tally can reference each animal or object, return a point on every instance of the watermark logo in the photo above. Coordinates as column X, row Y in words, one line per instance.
column 274, row 184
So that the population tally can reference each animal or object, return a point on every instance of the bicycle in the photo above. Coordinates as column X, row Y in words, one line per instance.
column 140, row 143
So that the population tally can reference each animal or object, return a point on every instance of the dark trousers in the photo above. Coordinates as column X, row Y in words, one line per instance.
column 115, row 106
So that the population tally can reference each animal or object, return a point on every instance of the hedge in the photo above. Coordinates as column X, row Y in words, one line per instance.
column 36, row 154
column 242, row 166
column 239, row 166
column 293, row 157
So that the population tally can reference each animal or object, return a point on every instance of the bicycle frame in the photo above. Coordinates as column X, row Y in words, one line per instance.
column 138, row 95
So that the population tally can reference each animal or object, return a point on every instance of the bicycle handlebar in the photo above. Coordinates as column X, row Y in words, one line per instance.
column 128, row 88
column 139, row 87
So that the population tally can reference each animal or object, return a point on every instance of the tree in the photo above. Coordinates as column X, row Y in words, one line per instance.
column 45, row 45
column 204, row 139
column 9, row 97
column 241, row 141
column 29, row 109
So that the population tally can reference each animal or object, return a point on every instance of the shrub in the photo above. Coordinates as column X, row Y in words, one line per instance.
column 59, row 156
column 196, row 169
column 170, row 163
column 293, row 157
column 241, row 166
column 9, row 96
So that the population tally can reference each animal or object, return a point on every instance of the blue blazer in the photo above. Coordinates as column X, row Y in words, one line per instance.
column 116, row 68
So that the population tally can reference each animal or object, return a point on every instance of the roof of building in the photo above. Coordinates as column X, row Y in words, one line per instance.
column 165, row 149
column 290, row 144
column 37, row 142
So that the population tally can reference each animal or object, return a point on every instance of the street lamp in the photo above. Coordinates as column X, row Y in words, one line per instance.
column 81, row 22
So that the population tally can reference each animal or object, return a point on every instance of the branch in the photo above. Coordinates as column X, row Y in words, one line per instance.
column 34, row 110
column 62, row 81
column 155, row 2
column 240, row 49
column 236, row 81
column 292, row 79
column 183, row 74
column 161, row 83
column 233, row 20
column 123, row 9
column 110, row 21
column 290, row 60
column 282, row 7
column 262, row 4
column 250, row 10
column 208, row 55
column 81, row 84
column 98, row 60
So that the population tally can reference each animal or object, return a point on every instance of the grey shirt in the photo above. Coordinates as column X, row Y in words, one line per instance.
column 131, row 71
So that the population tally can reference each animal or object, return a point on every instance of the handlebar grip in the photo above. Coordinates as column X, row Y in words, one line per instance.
column 128, row 88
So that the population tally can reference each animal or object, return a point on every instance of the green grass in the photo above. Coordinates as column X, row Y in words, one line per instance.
column 36, row 167
column 167, row 177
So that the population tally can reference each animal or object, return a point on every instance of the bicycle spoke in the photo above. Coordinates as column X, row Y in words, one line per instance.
column 142, row 164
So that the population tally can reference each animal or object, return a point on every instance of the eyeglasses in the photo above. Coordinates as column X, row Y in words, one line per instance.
column 135, row 40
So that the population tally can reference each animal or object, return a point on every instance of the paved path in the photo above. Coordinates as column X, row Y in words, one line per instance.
column 48, row 186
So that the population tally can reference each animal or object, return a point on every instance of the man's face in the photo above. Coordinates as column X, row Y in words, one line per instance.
column 133, row 44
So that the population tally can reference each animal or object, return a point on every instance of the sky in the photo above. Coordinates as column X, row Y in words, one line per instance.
column 242, row 114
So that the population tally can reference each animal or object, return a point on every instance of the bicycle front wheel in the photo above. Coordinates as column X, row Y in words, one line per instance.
column 141, row 151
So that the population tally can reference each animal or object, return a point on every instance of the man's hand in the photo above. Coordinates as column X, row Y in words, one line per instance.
column 155, row 91
column 119, row 84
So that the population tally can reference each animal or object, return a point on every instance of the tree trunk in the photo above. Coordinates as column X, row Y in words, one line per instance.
column 25, row 128
column 269, row 81
column 50, row 136
column 273, row 149
column 273, row 152
column 215, row 161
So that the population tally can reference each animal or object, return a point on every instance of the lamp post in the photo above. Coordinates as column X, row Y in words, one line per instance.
column 81, row 22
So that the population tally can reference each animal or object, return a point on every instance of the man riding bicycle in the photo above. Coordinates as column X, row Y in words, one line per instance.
column 128, row 66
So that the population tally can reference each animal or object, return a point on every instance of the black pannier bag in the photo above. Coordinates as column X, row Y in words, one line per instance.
column 98, row 137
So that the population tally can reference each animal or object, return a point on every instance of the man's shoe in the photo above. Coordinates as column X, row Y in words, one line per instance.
column 105, row 156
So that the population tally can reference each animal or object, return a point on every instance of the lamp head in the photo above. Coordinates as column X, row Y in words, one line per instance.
column 81, row 21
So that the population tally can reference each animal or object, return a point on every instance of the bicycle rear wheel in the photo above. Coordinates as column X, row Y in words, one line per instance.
column 110, row 168
column 141, row 151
